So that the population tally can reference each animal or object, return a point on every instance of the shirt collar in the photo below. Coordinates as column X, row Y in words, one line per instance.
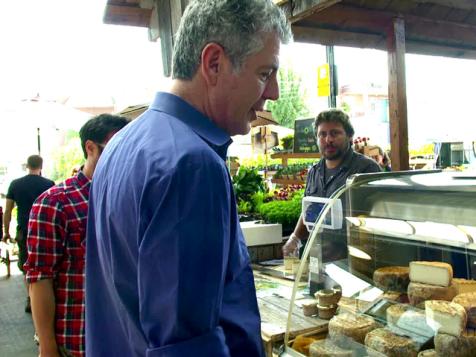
column 82, row 178
column 199, row 123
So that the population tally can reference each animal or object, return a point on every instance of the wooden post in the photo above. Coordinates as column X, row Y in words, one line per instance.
column 167, row 15
column 397, row 96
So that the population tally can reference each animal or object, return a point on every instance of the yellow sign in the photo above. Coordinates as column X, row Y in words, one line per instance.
column 323, row 81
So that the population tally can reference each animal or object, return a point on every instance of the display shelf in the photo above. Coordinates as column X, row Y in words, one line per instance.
column 284, row 156
column 282, row 181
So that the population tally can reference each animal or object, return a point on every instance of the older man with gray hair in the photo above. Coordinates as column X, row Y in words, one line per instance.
column 167, row 269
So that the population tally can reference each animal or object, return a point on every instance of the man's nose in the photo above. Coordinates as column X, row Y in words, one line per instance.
column 272, row 89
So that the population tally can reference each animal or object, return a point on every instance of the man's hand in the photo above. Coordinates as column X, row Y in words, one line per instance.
column 51, row 351
column 292, row 245
column 6, row 237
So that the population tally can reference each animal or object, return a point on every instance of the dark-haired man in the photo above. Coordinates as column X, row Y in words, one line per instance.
column 23, row 192
column 56, row 246
column 334, row 134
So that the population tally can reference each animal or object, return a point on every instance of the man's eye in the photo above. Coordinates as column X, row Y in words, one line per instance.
column 266, row 75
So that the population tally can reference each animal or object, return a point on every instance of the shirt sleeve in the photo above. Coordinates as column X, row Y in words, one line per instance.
column 11, row 191
column 183, row 257
column 46, row 244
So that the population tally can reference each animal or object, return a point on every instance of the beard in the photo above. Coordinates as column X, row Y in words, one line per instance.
column 338, row 153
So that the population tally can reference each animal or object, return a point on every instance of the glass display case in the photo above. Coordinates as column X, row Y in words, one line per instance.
column 398, row 277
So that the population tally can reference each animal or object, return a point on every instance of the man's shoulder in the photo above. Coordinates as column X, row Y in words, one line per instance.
column 363, row 163
column 54, row 193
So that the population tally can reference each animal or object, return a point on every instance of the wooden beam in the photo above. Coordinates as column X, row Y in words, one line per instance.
column 397, row 96
column 305, row 8
column 126, row 15
column 338, row 38
column 455, row 4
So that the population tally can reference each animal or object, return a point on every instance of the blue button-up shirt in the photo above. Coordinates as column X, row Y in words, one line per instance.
column 167, row 269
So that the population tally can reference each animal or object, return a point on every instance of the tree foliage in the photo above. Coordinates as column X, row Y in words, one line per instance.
column 67, row 156
column 290, row 104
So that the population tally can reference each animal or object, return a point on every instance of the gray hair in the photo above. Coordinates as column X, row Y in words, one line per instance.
column 239, row 26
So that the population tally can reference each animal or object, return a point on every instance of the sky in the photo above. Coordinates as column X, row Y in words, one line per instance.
column 61, row 48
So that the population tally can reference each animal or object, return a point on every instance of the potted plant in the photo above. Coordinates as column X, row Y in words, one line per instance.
column 287, row 142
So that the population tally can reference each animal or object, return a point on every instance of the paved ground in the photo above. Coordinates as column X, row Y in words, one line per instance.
column 16, row 326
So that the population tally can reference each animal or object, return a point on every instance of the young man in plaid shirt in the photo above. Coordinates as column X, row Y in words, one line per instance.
column 56, row 247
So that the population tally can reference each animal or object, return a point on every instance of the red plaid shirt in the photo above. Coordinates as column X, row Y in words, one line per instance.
column 56, row 250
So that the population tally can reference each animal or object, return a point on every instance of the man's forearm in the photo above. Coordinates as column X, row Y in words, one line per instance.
column 7, row 217
column 43, row 309
column 300, row 230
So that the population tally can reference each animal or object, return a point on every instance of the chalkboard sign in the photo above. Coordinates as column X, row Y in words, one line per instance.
column 304, row 137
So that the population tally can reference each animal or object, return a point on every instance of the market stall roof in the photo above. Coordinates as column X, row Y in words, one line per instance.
column 429, row 27
column 432, row 27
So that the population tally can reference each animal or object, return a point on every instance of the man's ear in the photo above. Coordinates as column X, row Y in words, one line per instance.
column 90, row 147
column 212, row 62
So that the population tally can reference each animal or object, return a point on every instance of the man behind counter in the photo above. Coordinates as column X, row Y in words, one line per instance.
column 334, row 134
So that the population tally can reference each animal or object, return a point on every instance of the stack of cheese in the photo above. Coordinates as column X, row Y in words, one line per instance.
column 454, row 322
column 450, row 321
column 393, row 281
column 430, row 281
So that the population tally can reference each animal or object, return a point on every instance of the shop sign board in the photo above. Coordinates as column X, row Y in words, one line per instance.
column 304, row 136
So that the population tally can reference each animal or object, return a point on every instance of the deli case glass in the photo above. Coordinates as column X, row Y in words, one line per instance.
column 397, row 275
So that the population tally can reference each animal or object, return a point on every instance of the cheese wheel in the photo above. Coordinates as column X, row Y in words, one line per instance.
column 392, row 278
column 428, row 353
column 395, row 296
column 452, row 346
column 390, row 344
column 351, row 325
column 408, row 318
column 445, row 317
column 310, row 309
column 468, row 301
column 418, row 292
column 433, row 273
column 464, row 285
column 325, row 348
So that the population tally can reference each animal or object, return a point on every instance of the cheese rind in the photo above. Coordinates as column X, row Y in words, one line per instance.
column 325, row 348
column 445, row 317
column 468, row 301
column 433, row 273
column 418, row 293
column 392, row 278
column 409, row 319
column 428, row 353
column 351, row 325
column 390, row 344
column 452, row 346
column 464, row 285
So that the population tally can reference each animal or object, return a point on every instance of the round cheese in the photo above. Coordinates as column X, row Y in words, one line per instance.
column 351, row 325
column 390, row 344
column 392, row 278
column 456, row 346
column 445, row 317
column 468, row 301
column 325, row 348
column 418, row 292
column 409, row 319
column 428, row 353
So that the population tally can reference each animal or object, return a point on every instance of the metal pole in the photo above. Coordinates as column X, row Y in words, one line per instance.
column 38, row 137
column 332, row 75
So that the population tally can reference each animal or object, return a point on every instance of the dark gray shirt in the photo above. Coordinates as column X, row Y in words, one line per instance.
column 323, row 184
column 353, row 163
